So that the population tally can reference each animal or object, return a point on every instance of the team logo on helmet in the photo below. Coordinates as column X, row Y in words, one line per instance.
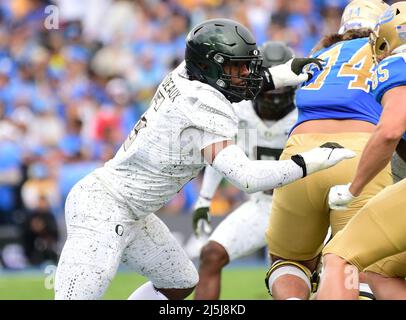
column 401, row 31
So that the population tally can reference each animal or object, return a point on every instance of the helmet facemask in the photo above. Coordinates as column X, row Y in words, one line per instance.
column 389, row 33
column 380, row 46
column 275, row 104
column 239, row 76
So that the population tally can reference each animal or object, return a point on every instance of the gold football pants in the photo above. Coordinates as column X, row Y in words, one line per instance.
column 376, row 232
column 300, row 215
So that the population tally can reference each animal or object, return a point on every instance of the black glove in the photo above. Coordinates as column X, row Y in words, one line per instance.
column 201, row 218
column 299, row 63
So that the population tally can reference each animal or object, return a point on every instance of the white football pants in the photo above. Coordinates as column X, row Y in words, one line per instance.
column 242, row 232
column 102, row 232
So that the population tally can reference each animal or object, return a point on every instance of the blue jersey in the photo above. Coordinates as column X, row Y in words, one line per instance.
column 342, row 89
column 390, row 73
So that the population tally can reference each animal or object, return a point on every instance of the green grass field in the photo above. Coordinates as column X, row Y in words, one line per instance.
column 237, row 283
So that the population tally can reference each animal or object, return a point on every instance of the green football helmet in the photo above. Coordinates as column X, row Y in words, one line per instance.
column 275, row 104
column 216, row 46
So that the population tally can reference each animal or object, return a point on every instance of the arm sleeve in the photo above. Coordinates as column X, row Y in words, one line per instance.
column 211, row 181
column 252, row 176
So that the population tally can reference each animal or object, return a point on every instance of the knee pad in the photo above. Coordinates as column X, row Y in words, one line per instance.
column 280, row 268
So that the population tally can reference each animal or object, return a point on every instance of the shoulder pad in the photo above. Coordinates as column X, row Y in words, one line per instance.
column 209, row 110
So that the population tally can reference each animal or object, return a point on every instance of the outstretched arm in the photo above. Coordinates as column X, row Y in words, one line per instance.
column 258, row 175
column 378, row 150
column 383, row 142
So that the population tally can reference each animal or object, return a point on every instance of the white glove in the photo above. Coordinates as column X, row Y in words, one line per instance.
column 201, row 218
column 322, row 157
column 339, row 197
column 291, row 73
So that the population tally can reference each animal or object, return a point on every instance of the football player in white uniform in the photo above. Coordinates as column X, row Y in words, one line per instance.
column 190, row 122
column 264, row 127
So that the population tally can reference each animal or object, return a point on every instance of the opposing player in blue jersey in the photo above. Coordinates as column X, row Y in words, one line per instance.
column 378, row 230
column 335, row 105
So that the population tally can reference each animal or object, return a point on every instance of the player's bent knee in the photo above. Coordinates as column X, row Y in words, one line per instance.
column 280, row 268
column 214, row 255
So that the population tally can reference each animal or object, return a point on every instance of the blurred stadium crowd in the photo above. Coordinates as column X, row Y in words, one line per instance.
column 75, row 76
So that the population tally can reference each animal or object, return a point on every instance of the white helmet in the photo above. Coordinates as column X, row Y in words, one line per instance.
column 361, row 14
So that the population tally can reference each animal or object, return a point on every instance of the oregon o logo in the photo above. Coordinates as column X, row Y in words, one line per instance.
column 119, row 229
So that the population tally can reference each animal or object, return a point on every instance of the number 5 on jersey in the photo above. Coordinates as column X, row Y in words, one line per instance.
column 142, row 123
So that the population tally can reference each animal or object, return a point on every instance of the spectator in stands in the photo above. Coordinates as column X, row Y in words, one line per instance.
column 40, row 185
column 10, row 168
column 40, row 234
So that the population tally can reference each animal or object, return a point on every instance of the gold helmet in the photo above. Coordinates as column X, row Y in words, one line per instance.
column 361, row 14
column 390, row 31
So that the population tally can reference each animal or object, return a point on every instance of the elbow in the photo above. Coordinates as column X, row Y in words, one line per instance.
column 244, row 186
column 391, row 136
column 248, row 189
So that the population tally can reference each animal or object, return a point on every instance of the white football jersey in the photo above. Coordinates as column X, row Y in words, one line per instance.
column 262, row 139
column 163, row 151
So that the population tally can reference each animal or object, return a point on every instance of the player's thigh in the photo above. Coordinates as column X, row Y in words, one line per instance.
column 155, row 253
column 377, row 231
column 299, row 220
column 243, row 231
column 92, row 251
column 86, row 267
